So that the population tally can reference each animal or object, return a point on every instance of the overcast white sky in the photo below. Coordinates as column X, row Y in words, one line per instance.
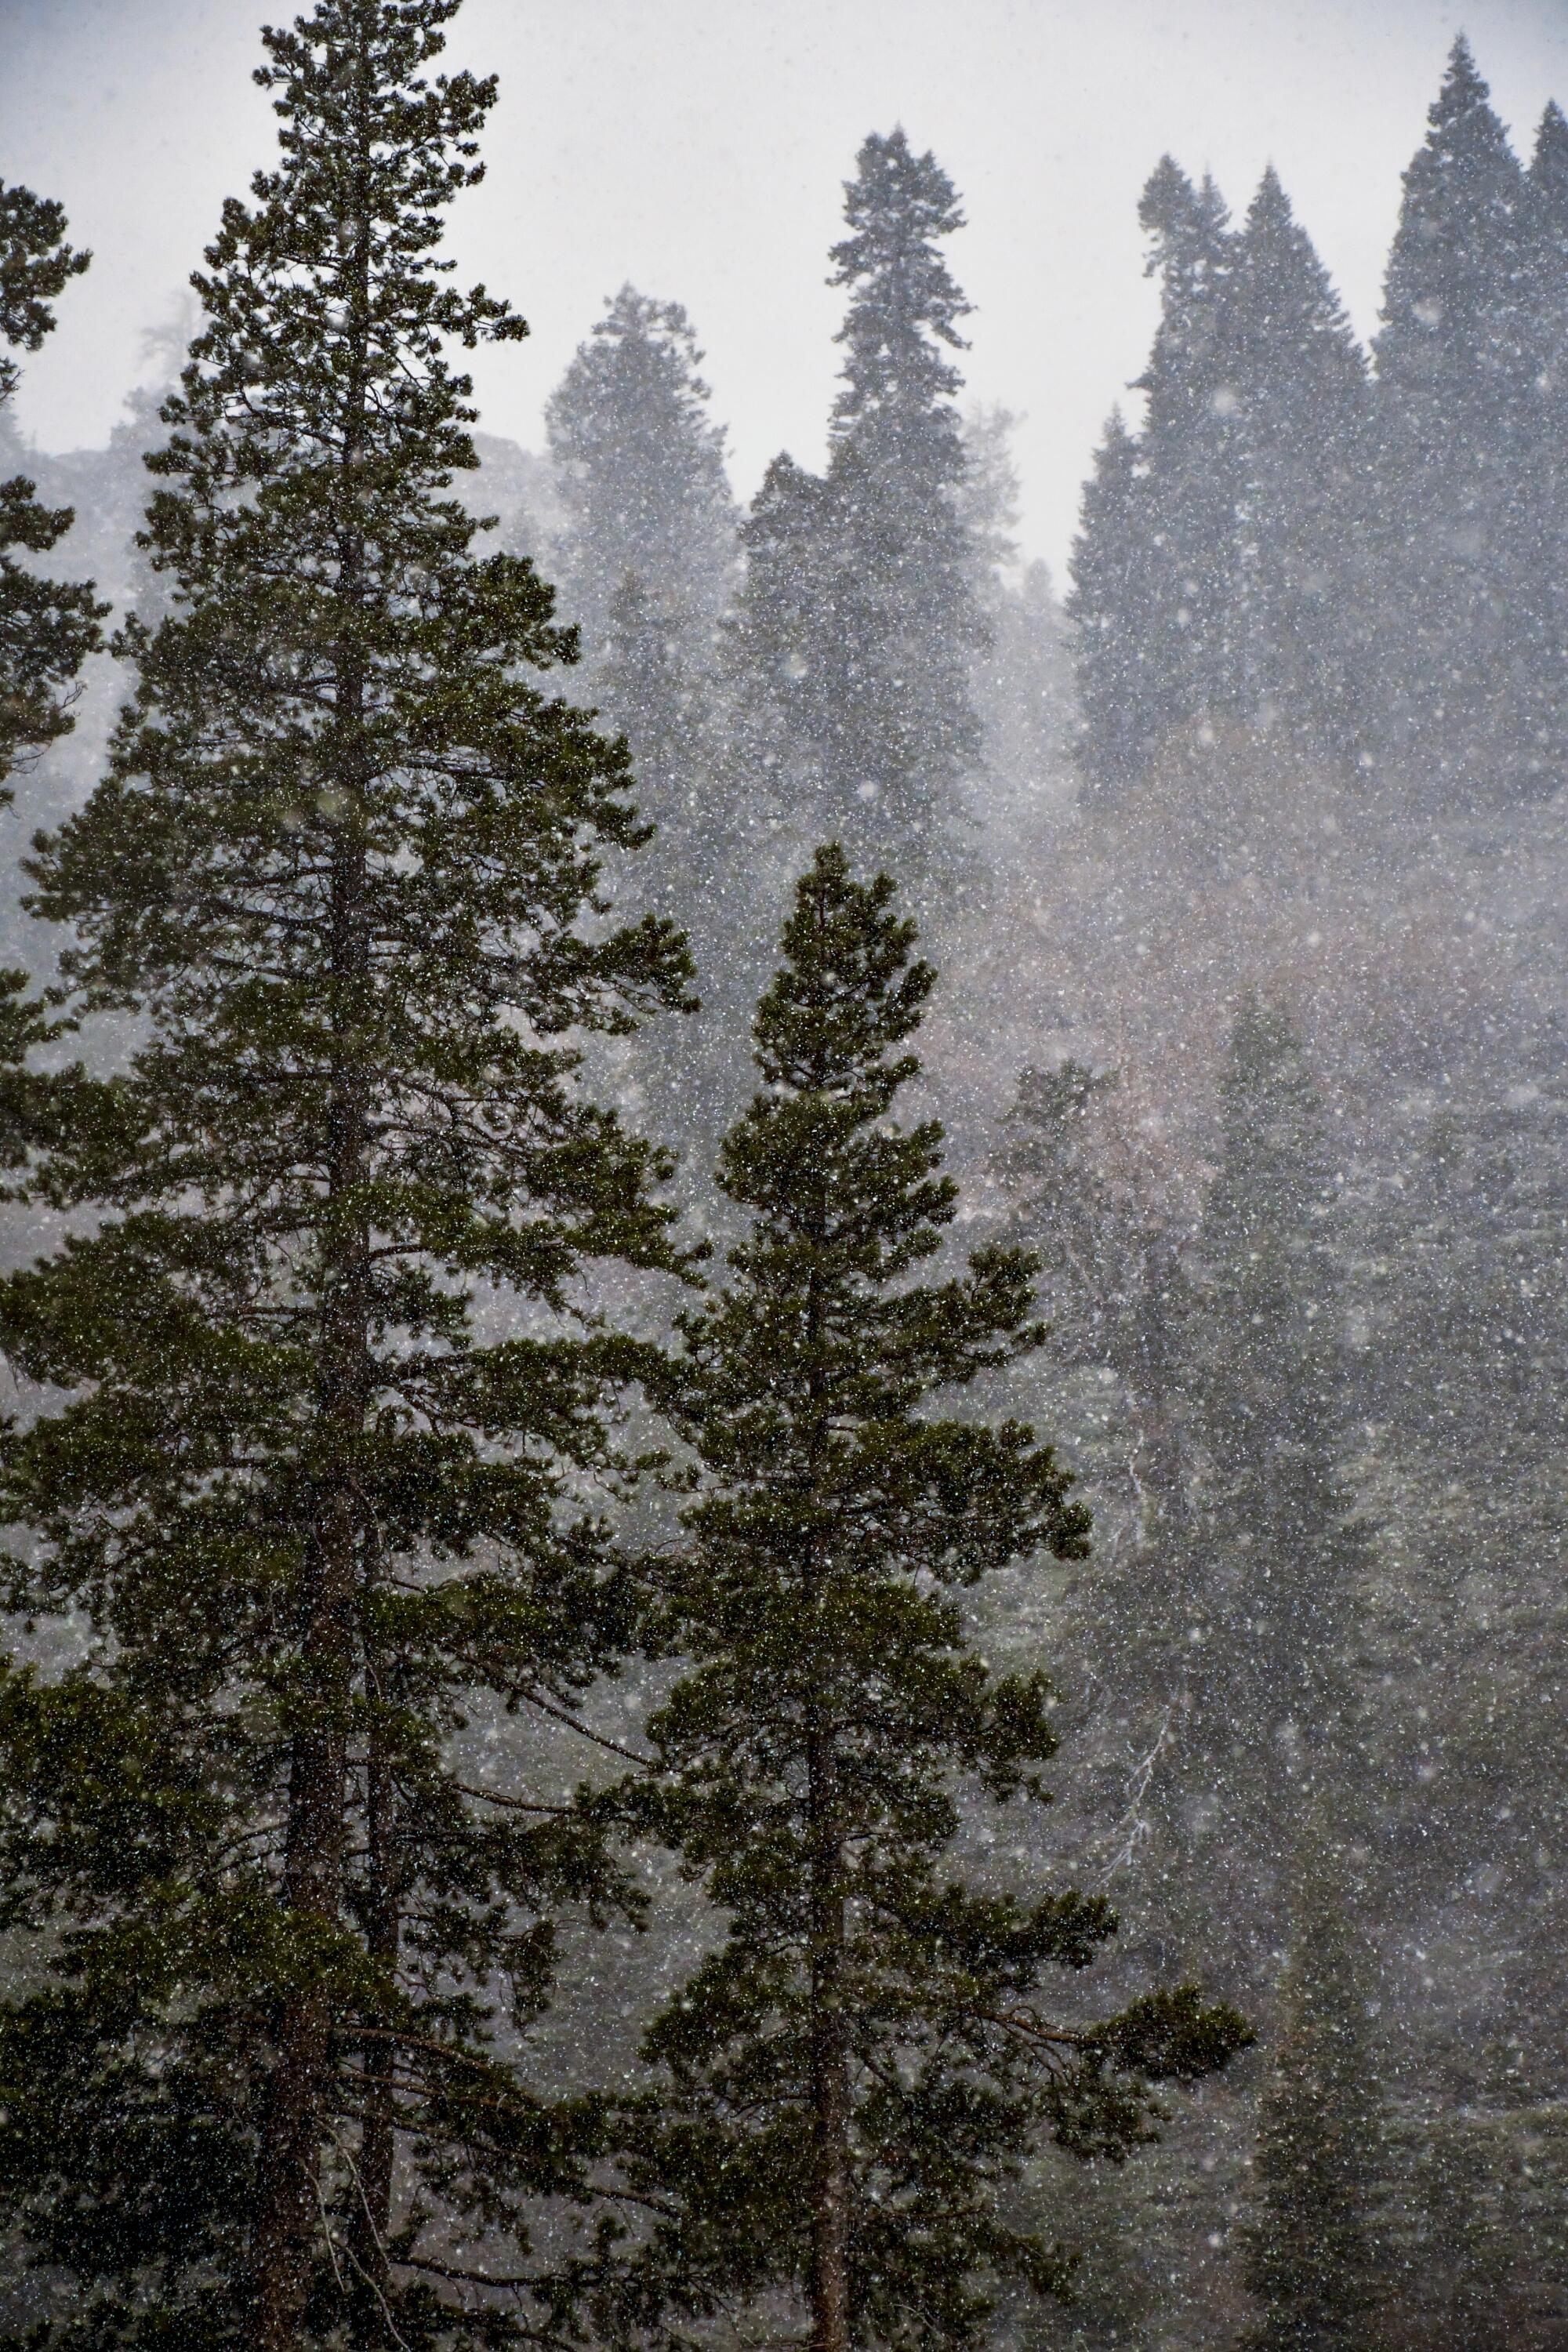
column 698, row 148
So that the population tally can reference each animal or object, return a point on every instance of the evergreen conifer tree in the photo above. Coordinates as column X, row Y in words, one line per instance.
column 640, row 469
column 1191, row 446
column 1108, row 603
column 854, row 2075
column 315, row 1526
column 862, row 668
column 1219, row 574
column 1298, row 378
column 48, row 627
column 1544, row 503
column 905, row 730
column 1456, row 431
column 1314, row 2257
column 1276, row 1560
column 651, row 552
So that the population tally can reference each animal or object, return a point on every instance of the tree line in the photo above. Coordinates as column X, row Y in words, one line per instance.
column 1366, row 557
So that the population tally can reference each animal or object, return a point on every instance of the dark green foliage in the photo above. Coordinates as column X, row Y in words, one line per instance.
column 308, row 1529
column 859, row 621
column 48, row 627
column 853, row 2078
column 1315, row 2258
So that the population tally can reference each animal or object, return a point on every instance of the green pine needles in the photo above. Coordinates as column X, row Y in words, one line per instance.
column 48, row 627
column 852, row 2079
column 302, row 1522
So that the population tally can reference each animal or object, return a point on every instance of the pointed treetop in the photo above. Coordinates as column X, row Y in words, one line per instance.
column 1271, row 201
column 1549, row 164
column 1454, row 274
column 1462, row 83
column 847, row 992
column 1177, row 215
column 1288, row 311
column 904, row 302
column 1462, row 110
column 897, row 205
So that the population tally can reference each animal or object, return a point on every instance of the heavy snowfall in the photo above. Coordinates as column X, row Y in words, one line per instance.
column 784, row 1310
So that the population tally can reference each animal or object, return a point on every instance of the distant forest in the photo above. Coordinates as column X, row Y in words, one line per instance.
column 786, row 1327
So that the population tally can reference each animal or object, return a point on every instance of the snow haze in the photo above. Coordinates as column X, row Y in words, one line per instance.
column 698, row 149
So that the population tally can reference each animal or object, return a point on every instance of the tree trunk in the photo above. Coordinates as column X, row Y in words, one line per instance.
column 829, row 2064
column 372, row 2219
column 290, row 2220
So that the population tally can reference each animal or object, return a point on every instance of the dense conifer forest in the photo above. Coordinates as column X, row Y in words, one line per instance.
column 786, row 1325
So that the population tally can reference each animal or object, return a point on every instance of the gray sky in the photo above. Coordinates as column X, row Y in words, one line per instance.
column 698, row 148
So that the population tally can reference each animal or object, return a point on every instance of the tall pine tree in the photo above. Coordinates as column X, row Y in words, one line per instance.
column 313, row 1522
column 1220, row 572
column 649, row 553
column 640, row 469
column 1457, row 406
column 1316, row 2258
column 48, row 627
column 866, row 675
column 852, row 2079
column 1276, row 1560
column 1191, row 447
column 1108, row 605
column 1297, row 663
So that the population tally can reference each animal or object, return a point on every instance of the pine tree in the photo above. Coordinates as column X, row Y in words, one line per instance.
column 1541, row 509
column 1021, row 679
column 1191, row 446
column 1220, row 569
column 1314, row 2259
column 862, row 668
column 696, row 867
column 850, row 2081
column 906, row 730
column 640, row 468
column 1456, row 407
column 1299, row 380
column 315, row 1526
column 48, row 627
column 1276, row 1559
column 1108, row 605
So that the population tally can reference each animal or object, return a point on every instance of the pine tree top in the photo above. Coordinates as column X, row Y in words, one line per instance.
column 1463, row 92
column 1549, row 163
column 1455, row 265
column 1178, row 216
column 903, row 300
column 1288, row 324
column 641, row 364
